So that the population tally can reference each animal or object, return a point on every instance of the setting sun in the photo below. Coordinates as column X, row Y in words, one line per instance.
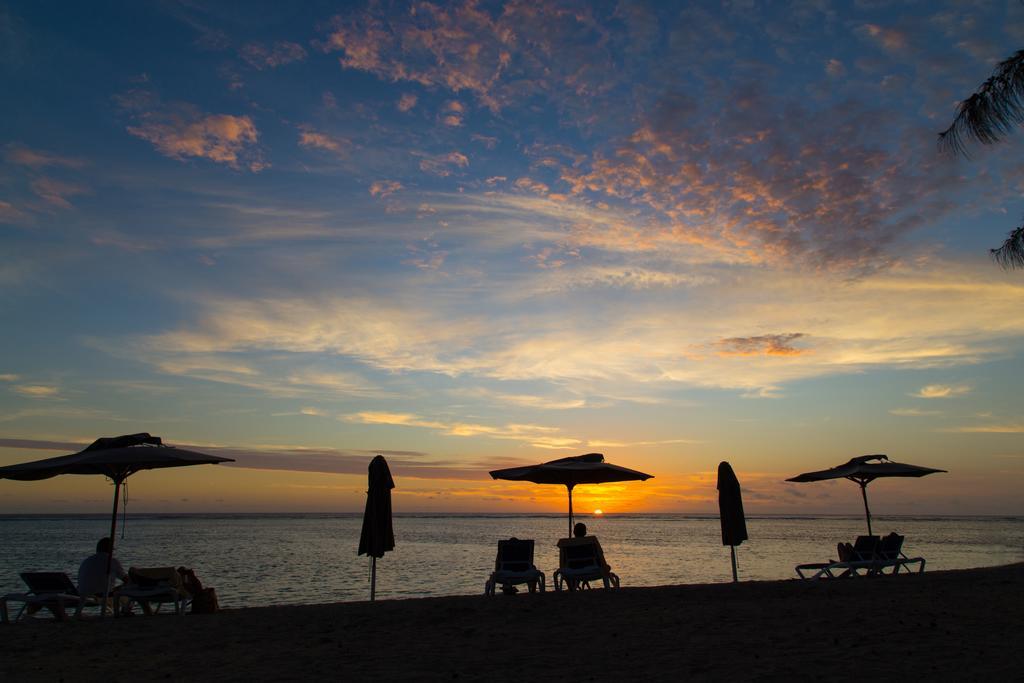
column 598, row 511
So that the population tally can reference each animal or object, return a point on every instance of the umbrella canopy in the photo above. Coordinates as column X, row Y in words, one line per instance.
column 377, row 536
column 581, row 469
column 730, row 506
column 116, row 457
column 865, row 469
column 730, row 511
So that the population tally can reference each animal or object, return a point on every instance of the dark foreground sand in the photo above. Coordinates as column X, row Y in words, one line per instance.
column 962, row 625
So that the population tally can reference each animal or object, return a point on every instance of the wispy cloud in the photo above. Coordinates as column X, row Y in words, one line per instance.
column 56, row 192
column 536, row 435
column 918, row 319
column 601, row 443
column 442, row 165
column 261, row 56
column 37, row 390
column 313, row 139
column 410, row 464
column 38, row 159
column 942, row 391
column 913, row 412
column 1005, row 428
column 10, row 213
column 384, row 188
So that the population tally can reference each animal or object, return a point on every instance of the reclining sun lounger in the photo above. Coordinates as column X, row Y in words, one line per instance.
column 582, row 563
column 514, row 565
column 157, row 585
column 53, row 591
column 870, row 556
column 890, row 554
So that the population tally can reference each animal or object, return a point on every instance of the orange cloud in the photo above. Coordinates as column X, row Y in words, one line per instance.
column 499, row 57
column 182, row 130
column 766, row 345
column 407, row 102
column 311, row 139
column 384, row 188
column 535, row 186
column 442, row 164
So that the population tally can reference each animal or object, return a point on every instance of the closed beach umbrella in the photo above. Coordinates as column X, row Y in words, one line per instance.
column 569, row 472
column 377, row 536
column 730, row 511
column 865, row 469
column 117, row 458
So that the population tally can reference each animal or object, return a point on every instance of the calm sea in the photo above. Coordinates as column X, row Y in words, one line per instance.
column 311, row 558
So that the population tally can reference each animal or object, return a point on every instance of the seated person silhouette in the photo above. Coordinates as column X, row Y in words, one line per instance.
column 580, row 538
column 93, row 580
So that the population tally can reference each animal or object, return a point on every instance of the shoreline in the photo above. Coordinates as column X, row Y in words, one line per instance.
column 942, row 625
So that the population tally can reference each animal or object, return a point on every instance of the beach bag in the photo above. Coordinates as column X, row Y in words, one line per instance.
column 204, row 600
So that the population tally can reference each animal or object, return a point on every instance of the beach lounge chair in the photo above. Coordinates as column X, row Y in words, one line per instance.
column 514, row 565
column 890, row 554
column 52, row 591
column 870, row 556
column 154, row 586
column 582, row 562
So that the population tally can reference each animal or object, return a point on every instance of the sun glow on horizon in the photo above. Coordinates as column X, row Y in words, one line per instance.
column 598, row 512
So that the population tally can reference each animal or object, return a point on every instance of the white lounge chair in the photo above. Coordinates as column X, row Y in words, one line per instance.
column 514, row 565
column 870, row 556
column 583, row 562
column 52, row 591
column 157, row 585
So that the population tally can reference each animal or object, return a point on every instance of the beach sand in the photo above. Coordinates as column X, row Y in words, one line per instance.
column 939, row 625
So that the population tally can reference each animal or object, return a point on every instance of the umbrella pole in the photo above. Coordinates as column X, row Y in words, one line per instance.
column 373, row 578
column 735, row 579
column 569, row 486
column 864, row 494
column 110, row 557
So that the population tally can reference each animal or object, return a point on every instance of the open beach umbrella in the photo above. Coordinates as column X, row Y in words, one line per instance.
column 863, row 471
column 580, row 469
column 117, row 458
column 730, row 511
column 377, row 536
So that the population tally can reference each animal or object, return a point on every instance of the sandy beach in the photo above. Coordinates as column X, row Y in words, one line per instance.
column 939, row 625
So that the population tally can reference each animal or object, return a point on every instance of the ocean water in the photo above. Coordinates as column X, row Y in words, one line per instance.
column 255, row 560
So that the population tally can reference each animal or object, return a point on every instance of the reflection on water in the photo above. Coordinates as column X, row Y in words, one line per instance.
column 281, row 559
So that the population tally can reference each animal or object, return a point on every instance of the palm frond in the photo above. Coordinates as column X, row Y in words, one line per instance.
column 1011, row 254
column 990, row 113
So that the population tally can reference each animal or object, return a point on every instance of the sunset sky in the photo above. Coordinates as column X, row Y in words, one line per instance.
column 474, row 235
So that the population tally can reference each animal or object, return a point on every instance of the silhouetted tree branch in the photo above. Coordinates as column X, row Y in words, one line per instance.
column 1011, row 254
column 992, row 112
column 985, row 117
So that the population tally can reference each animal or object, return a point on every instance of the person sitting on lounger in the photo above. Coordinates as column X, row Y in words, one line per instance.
column 580, row 537
column 92, row 573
